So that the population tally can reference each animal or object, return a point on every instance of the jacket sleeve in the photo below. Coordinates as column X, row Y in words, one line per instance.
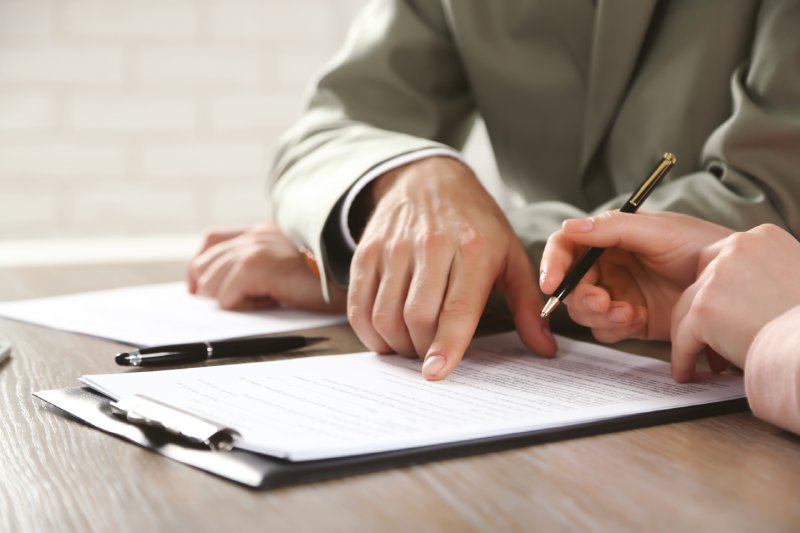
column 751, row 162
column 397, row 87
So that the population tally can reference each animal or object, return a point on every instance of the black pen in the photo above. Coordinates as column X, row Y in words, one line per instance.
column 589, row 257
column 195, row 352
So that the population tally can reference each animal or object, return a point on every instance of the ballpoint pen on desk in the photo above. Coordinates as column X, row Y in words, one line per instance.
column 591, row 255
column 195, row 352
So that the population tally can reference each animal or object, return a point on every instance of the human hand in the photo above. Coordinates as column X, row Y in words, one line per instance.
column 433, row 249
column 257, row 266
column 747, row 280
column 630, row 292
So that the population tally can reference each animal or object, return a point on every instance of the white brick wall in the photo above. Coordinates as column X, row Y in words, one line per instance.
column 150, row 116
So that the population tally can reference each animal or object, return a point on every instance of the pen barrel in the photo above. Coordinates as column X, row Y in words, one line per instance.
column 262, row 346
column 192, row 348
column 173, row 358
column 577, row 272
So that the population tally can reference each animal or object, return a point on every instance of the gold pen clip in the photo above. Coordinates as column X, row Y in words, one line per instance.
column 141, row 410
column 665, row 164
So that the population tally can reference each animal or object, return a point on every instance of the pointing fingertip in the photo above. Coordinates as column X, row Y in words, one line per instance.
column 548, row 334
column 550, row 351
column 681, row 375
column 434, row 363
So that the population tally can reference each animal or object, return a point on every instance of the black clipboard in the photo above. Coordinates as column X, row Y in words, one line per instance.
column 264, row 472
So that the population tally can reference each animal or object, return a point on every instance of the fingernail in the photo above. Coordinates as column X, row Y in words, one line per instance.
column 542, row 276
column 432, row 365
column 578, row 225
column 592, row 303
column 618, row 315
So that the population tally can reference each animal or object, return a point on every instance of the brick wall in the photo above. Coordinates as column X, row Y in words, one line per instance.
column 151, row 116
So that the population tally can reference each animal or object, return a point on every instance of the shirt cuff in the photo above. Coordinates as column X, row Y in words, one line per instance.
column 379, row 170
column 772, row 372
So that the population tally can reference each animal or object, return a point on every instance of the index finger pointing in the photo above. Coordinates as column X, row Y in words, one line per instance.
column 467, row 293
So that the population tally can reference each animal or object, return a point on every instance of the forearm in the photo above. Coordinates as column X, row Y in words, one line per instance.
column 397, row 88
column 772, row 372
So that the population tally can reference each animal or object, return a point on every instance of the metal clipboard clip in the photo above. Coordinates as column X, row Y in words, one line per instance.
column 141, row 410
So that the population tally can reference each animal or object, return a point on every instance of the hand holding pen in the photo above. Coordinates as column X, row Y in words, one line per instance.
column 592, row 254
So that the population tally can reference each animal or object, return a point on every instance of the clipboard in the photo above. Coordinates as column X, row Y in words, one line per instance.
column 264, row 472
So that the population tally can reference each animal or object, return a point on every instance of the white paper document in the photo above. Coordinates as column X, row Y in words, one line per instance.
column 341, row 405
column 165, row 313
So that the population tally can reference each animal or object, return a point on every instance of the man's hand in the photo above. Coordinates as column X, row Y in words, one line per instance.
column 257, row 267
column 433, row 250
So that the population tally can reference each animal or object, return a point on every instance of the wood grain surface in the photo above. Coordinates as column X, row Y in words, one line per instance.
column 730, row 472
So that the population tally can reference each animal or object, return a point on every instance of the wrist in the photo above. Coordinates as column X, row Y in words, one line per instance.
column 403, row 179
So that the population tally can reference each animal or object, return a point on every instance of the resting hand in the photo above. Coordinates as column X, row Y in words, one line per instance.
column 433, row 250
column 257, row 267
column 632, row 288
column 747, row 280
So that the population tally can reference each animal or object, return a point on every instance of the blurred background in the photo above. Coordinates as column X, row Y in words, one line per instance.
column 128, row 128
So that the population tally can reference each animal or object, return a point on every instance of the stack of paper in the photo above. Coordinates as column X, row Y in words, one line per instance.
column 336, row 406
column 158, row 314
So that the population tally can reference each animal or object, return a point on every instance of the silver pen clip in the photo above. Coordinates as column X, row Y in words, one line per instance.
column 141, row 410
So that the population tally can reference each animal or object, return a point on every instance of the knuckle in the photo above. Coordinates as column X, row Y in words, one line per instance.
column 703, row 304
column 252, row 258
column 397, row 249
column 419, row 316
column 367, row 251
column 740, row 243
column 767, row 230
column 606, row 218
column 209, row 238
column 357, row 316
column 472, row 244
column 430, row 242
column 458, row 307
column 386, row 323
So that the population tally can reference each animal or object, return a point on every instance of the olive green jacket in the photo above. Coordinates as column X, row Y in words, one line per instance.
column 579, row 103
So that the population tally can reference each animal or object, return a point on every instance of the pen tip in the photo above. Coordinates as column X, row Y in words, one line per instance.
column 551, row 304
column 122, row 359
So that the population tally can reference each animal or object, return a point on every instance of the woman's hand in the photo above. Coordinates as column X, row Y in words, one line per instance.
column 746, row 281
column 631, row 290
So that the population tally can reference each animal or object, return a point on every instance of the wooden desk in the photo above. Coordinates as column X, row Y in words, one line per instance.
column 729, row 472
